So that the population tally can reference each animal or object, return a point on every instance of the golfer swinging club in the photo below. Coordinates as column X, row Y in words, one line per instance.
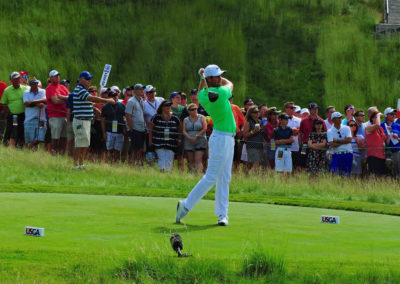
column 214, row 95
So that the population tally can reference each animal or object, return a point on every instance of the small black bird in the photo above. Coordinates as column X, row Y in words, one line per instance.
column 176, row 243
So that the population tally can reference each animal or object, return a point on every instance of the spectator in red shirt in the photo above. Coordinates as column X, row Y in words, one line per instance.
column 57, row 96
column 306, row 127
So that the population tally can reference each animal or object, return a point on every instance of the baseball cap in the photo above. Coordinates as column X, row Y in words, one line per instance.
column 85, row 75
column 138, row 86
column 103, row 90
column 273, row 110
column 115, row 89
column 283, row 116
column 336, row 114
column 166, row 103
column 304, row 110
column 24, row 74
column 124, row 90
column 14, row 75
column 194, row 92
column 312, row 105
column 53, row 73
column 213, row 70
column 248, row 100
column 33, row 81
column 297, row 108
column 65, row 82
column 149, row 88
column 173, row 94
column 389, row 110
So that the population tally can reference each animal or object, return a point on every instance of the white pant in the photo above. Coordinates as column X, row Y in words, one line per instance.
column 221, row 146
column 283, row 164
column 165, row 159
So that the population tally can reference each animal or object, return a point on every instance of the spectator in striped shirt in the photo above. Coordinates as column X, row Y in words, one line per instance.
column 83, row 114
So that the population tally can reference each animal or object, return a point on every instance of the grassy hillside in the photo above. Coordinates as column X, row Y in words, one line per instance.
column 274, row 50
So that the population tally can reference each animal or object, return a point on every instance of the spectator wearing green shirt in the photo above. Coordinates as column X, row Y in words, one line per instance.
column 12, row 100
column 215, row 100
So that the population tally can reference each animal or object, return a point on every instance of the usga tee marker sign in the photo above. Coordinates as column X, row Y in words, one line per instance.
column 33, row 231
column 330, row 219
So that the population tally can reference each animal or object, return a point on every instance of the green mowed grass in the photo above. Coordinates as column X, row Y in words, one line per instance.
column 96, row 234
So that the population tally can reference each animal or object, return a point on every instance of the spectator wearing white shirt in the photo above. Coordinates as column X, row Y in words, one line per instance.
column 151, row 104
column 294, row 124
column 339, row 139
column 35, row 114
column 328, row 120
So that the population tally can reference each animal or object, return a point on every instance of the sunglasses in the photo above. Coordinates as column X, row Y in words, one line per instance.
column 352, row 125
column 291, row 107
column 192, row 109
column 93, row 91
column 255, row 111
column 340, row 135
column 25, row 76
column 361, row 114
column 350, row 108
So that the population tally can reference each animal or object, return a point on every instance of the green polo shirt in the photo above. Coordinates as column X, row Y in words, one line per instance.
column 14, row 99
column 220, row 110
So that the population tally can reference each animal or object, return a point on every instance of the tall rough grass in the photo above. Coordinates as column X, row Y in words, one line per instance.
column 274, row 51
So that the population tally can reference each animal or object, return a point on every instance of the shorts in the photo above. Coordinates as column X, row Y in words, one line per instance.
column 237, row 152
column 82, row 132
column 58, row 127
column 165, row 159
column 70, row 131
column 270, row 154
column 115, row 141
column 284, row 162
column 199, row 145
column 127, row 145
column 341, row 164
column 254, row 155
column 180, row 148
column 16, row 131
column 137, row 139
column 33, row 132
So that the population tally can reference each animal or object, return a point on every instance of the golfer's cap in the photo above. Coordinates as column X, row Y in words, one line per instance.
column 85, row 75
column 297, row 108
column 53, row 73
column 33, row 81
column 312, row 105
column 194, row 92
column 304, row 110
column 389, row 110
column 115, row 89
column 336, row 114
column 213, row 70
column 173, row 94
column 283, row 116
column 149, row 88
column 14, row 75
column 138, row 86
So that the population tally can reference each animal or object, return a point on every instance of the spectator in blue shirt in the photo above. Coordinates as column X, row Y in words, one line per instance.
column 392, row 129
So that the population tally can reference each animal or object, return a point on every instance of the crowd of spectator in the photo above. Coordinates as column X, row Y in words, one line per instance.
column 135, row 126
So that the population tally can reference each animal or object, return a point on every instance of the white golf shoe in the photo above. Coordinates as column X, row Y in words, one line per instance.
column 181, row 211
column 222, row 220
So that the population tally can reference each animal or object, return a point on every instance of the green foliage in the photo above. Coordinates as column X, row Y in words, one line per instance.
column 260, row 264
column 274, row 51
